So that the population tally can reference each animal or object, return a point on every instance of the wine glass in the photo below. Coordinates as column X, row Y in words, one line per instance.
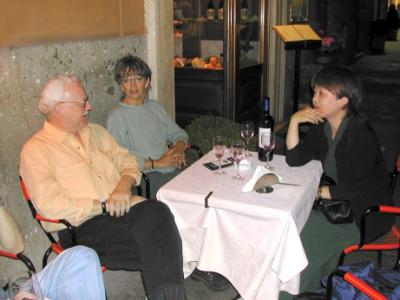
column 219, row 147
column 247, row 133
column 237, row 153
column 24, row 286
column 268, row 144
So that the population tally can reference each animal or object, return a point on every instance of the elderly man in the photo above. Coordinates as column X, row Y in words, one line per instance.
column 75, row 170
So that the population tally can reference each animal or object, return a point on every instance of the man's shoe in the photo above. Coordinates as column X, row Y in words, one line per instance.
column 214, row 281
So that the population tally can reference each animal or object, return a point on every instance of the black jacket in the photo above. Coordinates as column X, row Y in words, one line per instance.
column 361, row 171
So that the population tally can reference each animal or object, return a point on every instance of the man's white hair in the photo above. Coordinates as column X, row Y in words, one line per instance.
column 54, row 91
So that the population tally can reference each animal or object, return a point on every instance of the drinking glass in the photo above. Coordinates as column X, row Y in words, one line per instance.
column 24, row 286
column 237, row 152
column 219, row 147
column 268, row 144
column 247, row 133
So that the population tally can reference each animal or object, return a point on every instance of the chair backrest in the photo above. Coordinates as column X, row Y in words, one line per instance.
column 55, row 245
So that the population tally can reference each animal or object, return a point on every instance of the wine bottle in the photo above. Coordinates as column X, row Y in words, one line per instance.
column 178, row 10
column 244, row 10
column 210, row 10
column 221, row 10
column 266, row 125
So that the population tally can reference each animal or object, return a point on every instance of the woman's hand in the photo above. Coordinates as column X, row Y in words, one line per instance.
column 180, row 153
column 169, row 159
column 306, row 115
column 174, row 157
column 302, row 116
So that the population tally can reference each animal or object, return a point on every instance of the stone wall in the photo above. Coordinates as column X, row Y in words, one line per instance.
column 23, row 71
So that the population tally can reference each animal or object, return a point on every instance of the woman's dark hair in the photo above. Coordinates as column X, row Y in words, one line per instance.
column 343, row 82
column 131, row 64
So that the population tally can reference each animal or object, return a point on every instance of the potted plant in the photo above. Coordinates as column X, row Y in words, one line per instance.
column 330, row 46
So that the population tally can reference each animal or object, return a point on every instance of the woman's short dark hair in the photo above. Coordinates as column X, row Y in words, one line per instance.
column 343, row 82
column 131, row 64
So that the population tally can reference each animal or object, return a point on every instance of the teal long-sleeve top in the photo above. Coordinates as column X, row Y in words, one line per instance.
column 145, row 130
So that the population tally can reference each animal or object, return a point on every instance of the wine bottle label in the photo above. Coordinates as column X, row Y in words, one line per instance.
column 266, row 132
column 210, row 14
column 243, row 14
column 221, row 14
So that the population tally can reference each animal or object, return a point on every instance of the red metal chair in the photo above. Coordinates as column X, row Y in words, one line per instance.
column 390, row 242
column 55, row 245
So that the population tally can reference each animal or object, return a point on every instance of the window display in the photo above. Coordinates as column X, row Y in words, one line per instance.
column 203, row 42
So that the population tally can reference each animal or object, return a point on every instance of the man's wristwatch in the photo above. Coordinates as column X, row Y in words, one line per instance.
column 103, row 206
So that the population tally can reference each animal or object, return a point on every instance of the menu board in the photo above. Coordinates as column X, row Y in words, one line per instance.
column 296, row 33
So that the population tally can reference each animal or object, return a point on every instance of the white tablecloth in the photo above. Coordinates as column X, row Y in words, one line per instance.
column 250, row 238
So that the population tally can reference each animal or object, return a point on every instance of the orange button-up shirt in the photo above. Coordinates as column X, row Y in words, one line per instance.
column 63, row 177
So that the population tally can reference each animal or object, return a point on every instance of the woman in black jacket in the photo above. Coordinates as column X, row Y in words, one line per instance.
column 350, row 154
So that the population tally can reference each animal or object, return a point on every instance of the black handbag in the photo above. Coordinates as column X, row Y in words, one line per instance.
column 335, row 210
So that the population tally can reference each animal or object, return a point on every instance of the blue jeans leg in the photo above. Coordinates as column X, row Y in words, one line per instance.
column 75, row 274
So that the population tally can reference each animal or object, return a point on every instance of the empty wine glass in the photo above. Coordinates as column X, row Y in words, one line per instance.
column 268, row 144
column 247, row 133
column 24, row 286
column 219, row 147
column 237, row 152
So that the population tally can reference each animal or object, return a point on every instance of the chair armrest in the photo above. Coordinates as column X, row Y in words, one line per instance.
column 19, row 256
column 147, row 184
column 196, row 148
column 67, row 224
column 139, row 189
column 354, row 281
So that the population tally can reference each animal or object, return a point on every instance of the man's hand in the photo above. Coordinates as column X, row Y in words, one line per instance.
column 119, row 201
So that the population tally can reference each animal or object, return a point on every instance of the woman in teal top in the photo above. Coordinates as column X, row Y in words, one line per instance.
column 144, row 127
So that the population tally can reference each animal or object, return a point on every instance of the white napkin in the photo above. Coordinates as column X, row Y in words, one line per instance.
column 260, row 171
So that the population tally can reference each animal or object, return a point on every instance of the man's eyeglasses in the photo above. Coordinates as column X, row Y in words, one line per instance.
column 134, row 78
column 82, row 104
